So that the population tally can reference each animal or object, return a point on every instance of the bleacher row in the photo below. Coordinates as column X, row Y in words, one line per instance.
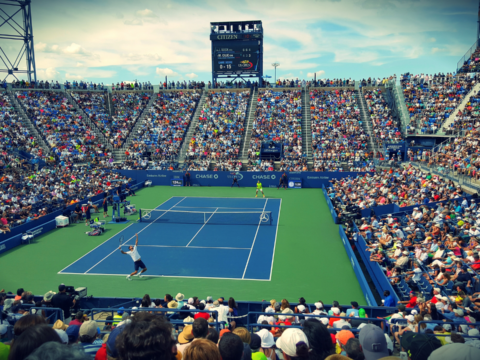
column 272, row 321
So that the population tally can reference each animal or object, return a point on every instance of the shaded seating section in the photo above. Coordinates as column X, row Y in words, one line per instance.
column 472, row 65
column 337, row 132
column 95, row 106
column 385, row 127
column 128, row 106
column 278, row 118
column 163, row 130
column 66, row 132
column 458, row 156
column 431, row 100
column 13, row 134
column 468, row 118
column 220, row 128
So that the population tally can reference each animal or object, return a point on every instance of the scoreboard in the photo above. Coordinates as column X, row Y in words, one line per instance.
column 237, row 51
column 233, row 57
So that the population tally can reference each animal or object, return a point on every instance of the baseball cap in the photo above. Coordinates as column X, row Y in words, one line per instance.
column 343, row 336
column 455, row 351
column 266, row 338
column 111, row 348
column 419, row 346
column 373, row 342
column 88, row 328
column 290, row 340
column 72, row 333
column 459, row 312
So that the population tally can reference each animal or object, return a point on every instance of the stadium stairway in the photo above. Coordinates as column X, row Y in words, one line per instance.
column 110, row 106
column 252, row 108
column 90, row 123
column 306, row 126
column 460, row 107
column 28, row 123
column 366, row 120
column 191, row 129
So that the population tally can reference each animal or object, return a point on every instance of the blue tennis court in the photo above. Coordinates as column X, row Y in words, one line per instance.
column 194, row 237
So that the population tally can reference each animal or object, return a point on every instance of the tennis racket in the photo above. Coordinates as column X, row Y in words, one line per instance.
column 121, row 240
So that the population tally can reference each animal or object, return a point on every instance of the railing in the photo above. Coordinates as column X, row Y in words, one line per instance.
column 467, row 55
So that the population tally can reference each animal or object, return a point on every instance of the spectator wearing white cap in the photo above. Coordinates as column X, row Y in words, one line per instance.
column 267, row 344
column 405, row 328
column 270, row 319
column 339, row 324
column 294, row 344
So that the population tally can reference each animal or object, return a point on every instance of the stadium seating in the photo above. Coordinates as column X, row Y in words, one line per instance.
column 14, row 135
column 220, row 127
column 163, row 131
column 337, row 133
column 127, row 108
column 472, row 65
column 431, row 100
column 385, row 128
column 278, row 118
column 468, row 119
column 65, row 131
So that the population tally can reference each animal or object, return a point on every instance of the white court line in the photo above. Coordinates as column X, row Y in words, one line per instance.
column 170, row 276
column 196, row 247
column 254, row 239
column 133, row 236
column 213, row 207
column 107, row 240
column 275, row 243
column 214, row 197
column 201, row 228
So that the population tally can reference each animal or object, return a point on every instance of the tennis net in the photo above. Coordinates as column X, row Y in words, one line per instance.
column 206, row 217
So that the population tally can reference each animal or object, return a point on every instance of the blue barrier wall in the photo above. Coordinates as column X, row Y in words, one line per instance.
column 357, row 269
column 245, row 178
column 376, row 273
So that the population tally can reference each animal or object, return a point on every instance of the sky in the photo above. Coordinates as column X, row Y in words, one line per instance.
column 121, row 40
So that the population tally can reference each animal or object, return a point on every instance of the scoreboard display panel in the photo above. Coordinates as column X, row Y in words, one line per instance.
column 230, row 57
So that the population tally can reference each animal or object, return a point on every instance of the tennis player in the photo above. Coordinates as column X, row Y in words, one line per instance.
column 235, row 180
column 137, row 260
column 283, row 181
column 259, row 187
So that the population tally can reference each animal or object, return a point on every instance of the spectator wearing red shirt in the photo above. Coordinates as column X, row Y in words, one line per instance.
column 78, row 319
column 206, row 316
column 412, row 302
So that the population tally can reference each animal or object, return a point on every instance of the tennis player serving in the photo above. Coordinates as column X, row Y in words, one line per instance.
column 259, row 187
column 137, row 260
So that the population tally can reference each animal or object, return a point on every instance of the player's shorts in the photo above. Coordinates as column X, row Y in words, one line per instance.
column 139, row 264
column 260, row 189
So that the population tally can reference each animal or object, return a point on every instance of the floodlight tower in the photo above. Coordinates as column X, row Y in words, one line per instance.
column 16, row 24
column 275, row 65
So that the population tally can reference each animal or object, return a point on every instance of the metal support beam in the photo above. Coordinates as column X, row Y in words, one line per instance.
column 15, row 25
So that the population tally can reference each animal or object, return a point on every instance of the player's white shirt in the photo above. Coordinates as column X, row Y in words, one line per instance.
column 134, row 254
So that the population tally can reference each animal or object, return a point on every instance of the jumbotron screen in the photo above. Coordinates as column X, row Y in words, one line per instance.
column 234, row 57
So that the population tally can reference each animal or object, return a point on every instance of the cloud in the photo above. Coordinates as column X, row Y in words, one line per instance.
column 134, row 22
column 73, row 77
column 166, row 72
column 47, row 74
column 79, row 64
column 138, row 57
column 191, row 76
column 146, row 13
column 75, row 49
column 433, row 39
column 319, row 73
column 42, row 47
